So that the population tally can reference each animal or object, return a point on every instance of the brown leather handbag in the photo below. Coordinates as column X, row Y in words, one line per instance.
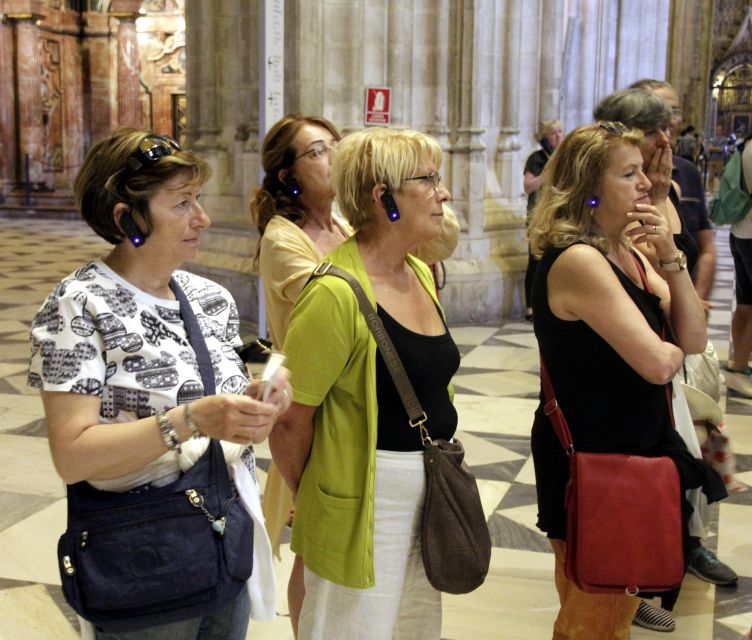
column 455, row 542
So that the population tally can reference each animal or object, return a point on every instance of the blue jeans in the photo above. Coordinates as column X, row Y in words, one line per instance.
column 230, row 623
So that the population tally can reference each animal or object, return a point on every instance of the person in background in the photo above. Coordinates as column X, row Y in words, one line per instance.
column 298, row 224
column 739, row 374
column 118, row 376
column 600, row 335
column 718, row 151
column 345, row 447
column 550, row 135
column 647, row 111
column 691, row 196
column 686, row 145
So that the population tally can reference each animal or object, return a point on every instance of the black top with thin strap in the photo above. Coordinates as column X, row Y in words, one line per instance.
column 608, row 405
column 684, row 240
column 430, row 362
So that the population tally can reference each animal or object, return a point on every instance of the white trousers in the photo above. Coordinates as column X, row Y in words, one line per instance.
column 402, row 605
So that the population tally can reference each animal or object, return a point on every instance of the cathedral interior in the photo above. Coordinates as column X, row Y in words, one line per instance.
column 477, row 75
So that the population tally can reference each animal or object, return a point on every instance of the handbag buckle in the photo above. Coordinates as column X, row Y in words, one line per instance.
column 322, row 268
column 550, row 407
column 68, row 567
column 419, row 421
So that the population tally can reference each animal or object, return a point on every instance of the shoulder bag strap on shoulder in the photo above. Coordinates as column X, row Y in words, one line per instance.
column 196, row 338
column 397, row 370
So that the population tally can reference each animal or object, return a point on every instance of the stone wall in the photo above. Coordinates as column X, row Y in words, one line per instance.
column 476, row 74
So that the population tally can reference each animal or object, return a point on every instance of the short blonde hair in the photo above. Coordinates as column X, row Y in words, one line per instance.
column 547, row 125
column 573, row 175
column 373, row 156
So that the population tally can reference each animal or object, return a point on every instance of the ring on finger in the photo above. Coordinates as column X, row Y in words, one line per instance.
column 655, row 227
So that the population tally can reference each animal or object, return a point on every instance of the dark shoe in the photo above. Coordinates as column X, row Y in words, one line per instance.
column 706, row 566
column 652, row 618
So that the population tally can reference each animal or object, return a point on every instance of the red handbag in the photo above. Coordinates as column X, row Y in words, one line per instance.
column 624, row 528
column 624, row 521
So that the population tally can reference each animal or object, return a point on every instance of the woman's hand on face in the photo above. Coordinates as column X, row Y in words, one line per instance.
column 653, row 231
column 659, row 173
column 234, row 418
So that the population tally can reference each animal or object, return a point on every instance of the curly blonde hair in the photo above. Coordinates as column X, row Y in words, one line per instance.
column 573, row 175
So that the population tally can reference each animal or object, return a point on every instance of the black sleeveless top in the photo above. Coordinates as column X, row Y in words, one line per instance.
column 684, row 240
column 609, row 407
column 430, row 362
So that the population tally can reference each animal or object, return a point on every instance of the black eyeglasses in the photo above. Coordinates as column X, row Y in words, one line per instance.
column 150, row 150
column 614, row 128
column 434, row 178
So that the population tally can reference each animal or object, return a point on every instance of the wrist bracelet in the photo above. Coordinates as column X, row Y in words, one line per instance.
column 168, row 433
column 188, row 417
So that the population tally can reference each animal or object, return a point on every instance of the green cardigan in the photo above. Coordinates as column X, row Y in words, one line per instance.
column 332, row 360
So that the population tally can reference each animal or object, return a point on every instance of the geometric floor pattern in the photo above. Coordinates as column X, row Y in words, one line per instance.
column 496, row 395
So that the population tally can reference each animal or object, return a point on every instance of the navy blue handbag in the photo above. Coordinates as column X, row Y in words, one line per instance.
column 138, row 559
column 157, row 555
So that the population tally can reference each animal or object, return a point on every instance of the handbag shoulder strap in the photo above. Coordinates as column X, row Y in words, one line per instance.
column 554, row 412
column 196, row 338
column 417, row 417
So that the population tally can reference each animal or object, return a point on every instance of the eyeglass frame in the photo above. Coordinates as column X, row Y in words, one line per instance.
column 434, row 177
column 328, row 149
column 147, row 155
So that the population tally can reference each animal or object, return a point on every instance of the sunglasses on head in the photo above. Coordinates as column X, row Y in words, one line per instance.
column 614, row 128
column 150, row 150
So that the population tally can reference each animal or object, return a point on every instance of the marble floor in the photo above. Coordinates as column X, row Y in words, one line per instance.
column 496, row 389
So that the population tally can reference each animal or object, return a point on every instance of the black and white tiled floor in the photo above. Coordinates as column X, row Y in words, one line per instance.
column 496, row 394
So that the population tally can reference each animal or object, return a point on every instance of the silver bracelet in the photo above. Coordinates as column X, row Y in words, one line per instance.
column 168, row 433
column 188, row 417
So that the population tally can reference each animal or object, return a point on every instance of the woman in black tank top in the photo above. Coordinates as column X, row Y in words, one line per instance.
column 599, row 333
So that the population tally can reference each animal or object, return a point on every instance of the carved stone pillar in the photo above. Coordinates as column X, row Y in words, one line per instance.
column 100, row 105
column 29, row 94
column 7, row 110
column 130, row 110
column 72, row 104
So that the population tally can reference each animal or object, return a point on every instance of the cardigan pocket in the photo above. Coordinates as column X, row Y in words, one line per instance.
column 335, row 521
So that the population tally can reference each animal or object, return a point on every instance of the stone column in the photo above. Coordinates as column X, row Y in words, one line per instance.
column 29, row 94
column 100, row 74
column 208, row 122
column 130, row 109
column 468, row 151
column 508, row 141
column 551, row 48
column 193, row 56
column 8, row 150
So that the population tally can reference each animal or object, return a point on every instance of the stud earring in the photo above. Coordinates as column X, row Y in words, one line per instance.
column 593, row 203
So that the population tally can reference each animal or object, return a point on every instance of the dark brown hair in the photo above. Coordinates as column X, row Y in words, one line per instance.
column 107, row 178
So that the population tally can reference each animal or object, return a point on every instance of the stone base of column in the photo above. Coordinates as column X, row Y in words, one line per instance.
column 484, row 291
